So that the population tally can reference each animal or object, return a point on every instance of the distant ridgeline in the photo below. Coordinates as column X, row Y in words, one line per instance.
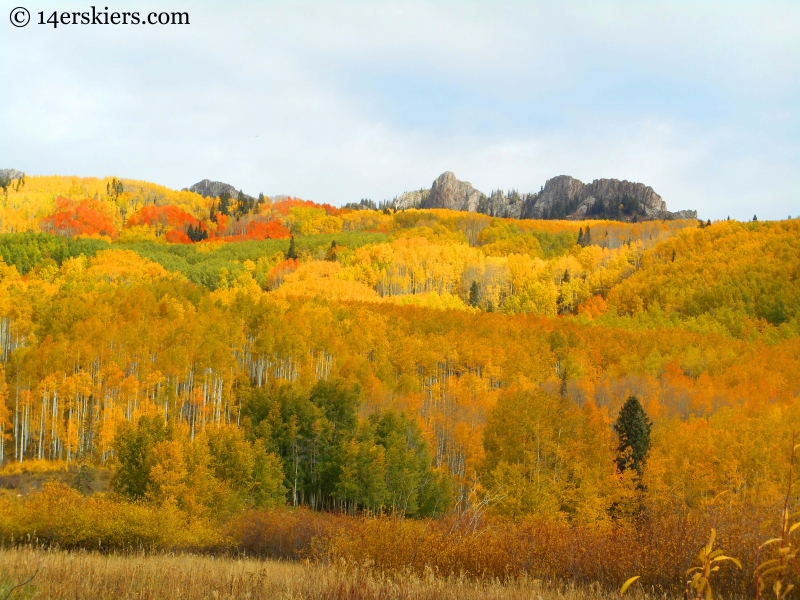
column 562, row 197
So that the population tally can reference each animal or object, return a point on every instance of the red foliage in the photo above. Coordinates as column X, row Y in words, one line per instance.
column 284, row 206
column 222, row 222
column 166, row 217
column 177, row 236
column 249, row 228
column 281, row 270
column 85, row 218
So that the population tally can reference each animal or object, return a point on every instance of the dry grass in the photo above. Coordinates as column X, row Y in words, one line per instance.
column 92, row 576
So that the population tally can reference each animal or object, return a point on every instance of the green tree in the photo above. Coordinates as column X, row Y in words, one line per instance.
column 5, row 181
column 133, row 447
column 412, row 486
column 292, row 253
column 331, row 254
column 474, row 294
column 633, row 429
column 224, row 202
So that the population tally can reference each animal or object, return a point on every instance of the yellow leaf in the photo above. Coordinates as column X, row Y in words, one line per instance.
column 627, row 584
column 711, row 541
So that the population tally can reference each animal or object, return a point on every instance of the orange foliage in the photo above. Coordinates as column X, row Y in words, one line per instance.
column 593, row 307
column 89, row 217
column 164, row 217
column 284, row 206
column 176, row 236
column 249, row 228
column 278, row 272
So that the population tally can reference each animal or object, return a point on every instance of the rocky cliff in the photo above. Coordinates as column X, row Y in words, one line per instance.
column 449, row 192
column 562, row 197
column 213, row 189
column 12, row 174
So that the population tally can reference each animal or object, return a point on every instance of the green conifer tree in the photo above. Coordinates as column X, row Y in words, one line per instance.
column 633, row 429
column 474, row 294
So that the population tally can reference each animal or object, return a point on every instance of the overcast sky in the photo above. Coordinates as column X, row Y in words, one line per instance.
column 337, row 101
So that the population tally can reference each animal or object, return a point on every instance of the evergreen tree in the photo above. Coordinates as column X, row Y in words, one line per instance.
column 580, row 237
column 755, row 218
column 5, row 181
column 224, row 202
column 331, row 254
column 587, row 237
column 474, row 294
column 292, row 253
column 633, row 429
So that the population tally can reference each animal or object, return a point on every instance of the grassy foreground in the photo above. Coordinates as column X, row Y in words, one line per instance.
column 90, row 576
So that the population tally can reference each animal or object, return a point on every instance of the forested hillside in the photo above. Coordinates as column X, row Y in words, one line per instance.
column 220, row 354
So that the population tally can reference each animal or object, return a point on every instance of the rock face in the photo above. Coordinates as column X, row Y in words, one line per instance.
column 12, row 174
column 213, row 189
column 449, row 192
column 562, row 197
column 413, row 199
column 566, row 197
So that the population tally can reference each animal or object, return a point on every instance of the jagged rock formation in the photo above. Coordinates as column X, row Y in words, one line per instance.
column 566, row 197
column 213, row 189
column 449, row 192
column 562, row 197
column 415, row 199
column 12, row 174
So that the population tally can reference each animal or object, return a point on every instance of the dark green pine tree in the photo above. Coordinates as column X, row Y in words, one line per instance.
column 332, row 253
column 224, row 202
column 474, row 294
column 580, row 237
column 633, row 429
column 587, row 237
column 292, row 253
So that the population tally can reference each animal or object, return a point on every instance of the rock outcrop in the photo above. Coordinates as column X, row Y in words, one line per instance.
column 567, row 197
column 213, row 189
column 449, row 192
column 562, row 197
column 12, row 174
column 415, row 199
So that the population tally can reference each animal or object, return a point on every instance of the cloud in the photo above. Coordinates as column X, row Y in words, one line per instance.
column 339, row 101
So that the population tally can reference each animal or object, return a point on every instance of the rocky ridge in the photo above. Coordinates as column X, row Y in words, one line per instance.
column 213, row 189
column 561, row 197
column 12, row 174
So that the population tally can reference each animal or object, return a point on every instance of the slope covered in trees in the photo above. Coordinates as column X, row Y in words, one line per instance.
column 416, row 362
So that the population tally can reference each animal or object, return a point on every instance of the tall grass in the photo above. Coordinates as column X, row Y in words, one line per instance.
column 659, row 545
column 92, row 576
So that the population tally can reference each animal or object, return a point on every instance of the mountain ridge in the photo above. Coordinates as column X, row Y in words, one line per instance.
column 562, row 197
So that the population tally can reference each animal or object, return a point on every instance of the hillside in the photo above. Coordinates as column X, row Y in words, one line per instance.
column 210, row 356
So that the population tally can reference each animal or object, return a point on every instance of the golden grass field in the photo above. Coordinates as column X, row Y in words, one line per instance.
column 93, row 576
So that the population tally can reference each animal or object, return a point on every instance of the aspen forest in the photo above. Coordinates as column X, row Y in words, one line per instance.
column 397, row 392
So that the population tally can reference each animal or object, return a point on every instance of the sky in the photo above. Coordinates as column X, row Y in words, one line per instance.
column 338, row 101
